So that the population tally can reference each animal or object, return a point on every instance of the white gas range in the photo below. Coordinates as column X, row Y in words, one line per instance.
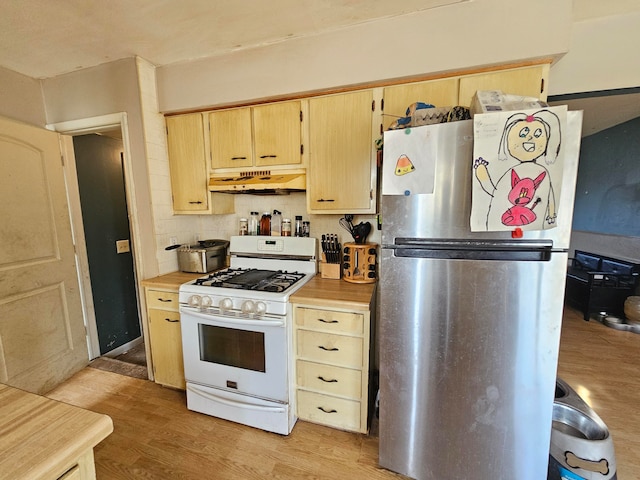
column 237, row 332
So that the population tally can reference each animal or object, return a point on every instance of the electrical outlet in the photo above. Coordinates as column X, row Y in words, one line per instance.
column 122, row 246
column 173, row 240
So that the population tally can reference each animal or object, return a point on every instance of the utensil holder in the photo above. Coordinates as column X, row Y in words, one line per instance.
column 359, row 262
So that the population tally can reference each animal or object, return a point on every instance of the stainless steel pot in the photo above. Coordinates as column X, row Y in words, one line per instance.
column 203, row 257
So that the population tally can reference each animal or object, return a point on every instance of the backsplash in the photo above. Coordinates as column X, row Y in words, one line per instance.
column 224, row 226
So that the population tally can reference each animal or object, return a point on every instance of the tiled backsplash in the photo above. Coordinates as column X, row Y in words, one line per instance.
column 190, row 229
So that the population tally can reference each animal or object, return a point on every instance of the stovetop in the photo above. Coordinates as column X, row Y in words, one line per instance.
column 251, row 279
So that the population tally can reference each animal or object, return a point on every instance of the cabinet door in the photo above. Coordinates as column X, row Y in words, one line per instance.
column 440, row 93
column 187, row 162
column 276, row 131
column 528, row 81
column 166, row 347
column 341, row 173
column 230, row 138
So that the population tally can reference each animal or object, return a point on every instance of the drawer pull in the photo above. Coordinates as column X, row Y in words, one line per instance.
column 172, row 321
column 164, row 299
column 333, row 349
column 333, row 380
column 327, row 321
column 328, row 411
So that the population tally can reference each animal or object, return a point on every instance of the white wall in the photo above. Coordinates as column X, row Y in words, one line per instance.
column 104, row 90
column 602, row 55
column 21, row 98
column 460, row 36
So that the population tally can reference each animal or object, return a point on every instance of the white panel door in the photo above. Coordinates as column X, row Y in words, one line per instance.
column 42, row 334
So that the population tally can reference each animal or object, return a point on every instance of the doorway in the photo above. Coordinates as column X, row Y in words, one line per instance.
column 113, row 126
column 99, row 162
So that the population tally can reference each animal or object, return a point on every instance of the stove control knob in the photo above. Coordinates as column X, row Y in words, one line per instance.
column 205, row 301
column 261, row 308
column 226, row 304
column 248, row 307
column 194, row 300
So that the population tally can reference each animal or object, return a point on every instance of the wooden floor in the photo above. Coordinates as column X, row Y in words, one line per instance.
column 603, row 366
column 156, row 437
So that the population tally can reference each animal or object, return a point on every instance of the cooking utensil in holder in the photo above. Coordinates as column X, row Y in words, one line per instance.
column 359, row 262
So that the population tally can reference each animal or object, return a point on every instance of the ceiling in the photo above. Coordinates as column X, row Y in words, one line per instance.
column 43, row 39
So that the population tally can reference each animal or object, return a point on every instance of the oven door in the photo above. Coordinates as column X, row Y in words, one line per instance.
column 236, row 354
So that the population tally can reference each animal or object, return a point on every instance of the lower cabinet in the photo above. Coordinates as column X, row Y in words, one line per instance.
column 165, row 337
column 332, row 366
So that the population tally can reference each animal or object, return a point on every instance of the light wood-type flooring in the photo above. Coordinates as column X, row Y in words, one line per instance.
column 156, row 437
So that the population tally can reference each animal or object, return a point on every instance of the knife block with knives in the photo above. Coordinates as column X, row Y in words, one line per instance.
column 331, row 260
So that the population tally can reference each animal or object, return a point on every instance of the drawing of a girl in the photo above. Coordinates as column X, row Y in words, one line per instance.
column 525, row 139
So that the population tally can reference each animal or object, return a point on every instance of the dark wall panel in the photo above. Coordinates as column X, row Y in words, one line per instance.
column 608, row 187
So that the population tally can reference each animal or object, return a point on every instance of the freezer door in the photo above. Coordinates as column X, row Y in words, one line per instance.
column 446, row 212
column 468, row 357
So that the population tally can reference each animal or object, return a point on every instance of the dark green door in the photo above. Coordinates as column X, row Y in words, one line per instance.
column 106, row 227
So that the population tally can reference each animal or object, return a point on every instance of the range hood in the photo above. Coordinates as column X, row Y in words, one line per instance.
column 259, row 182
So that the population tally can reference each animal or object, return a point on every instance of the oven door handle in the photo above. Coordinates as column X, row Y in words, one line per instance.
column 234, row 404
column 234, row 321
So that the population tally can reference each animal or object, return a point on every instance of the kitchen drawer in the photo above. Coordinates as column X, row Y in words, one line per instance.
column 327, row 410
column 330, row 320
column 162, row 300
column 344, row 382
column 334, row 349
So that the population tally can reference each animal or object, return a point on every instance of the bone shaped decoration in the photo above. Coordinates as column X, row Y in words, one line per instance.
column 601, row 466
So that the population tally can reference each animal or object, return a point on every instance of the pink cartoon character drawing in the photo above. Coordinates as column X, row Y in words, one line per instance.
column 525, row 141
column 521, row 196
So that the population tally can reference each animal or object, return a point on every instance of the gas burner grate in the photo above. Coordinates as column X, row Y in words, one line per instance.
column 251, row 279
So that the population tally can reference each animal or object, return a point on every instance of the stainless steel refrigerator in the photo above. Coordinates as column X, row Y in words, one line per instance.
column 469, row 326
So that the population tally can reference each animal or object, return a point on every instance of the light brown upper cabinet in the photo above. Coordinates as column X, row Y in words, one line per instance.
column 440, row 93
column 526, row 81
column 342, row 173
column 188, row 166
column 262, row 136
column 448, row 92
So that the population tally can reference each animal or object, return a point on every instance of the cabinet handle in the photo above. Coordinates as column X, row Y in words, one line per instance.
column 195, row 203
column 327, row 321
column 333, row 349
column 326, row 200
column 333, row 380
column 164, row 300
column 328, row 411
column 172, row 321
column 238, row 158
column 268, row 156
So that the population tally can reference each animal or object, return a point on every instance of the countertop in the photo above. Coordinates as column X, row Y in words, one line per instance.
column 171, row 281
column 42, row 438
column 326, row 292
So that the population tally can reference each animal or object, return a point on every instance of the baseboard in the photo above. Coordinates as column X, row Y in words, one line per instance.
column 124, row 348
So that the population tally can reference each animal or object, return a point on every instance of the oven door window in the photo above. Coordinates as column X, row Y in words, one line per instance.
column 232, row 347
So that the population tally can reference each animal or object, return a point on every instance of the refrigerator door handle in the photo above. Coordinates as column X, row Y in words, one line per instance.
column 522, row 251
column 463, row 244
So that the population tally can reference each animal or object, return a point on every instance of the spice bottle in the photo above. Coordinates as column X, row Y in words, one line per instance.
column 276, row 223
column 298, row 230
column 306, row 228
column 286, row 227
column 265, row 224
column 254, row 224
column 244, row 227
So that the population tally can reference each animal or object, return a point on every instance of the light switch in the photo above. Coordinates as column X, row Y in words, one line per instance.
column 122, row 246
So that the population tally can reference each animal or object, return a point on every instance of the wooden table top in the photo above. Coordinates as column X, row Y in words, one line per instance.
column 326, row 292
column 42, row 438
